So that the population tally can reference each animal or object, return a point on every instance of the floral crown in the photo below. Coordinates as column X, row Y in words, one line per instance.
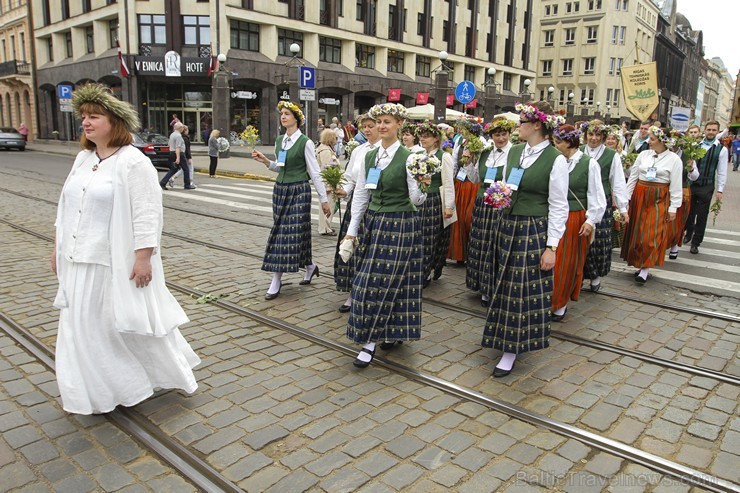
column 500, row 124
column 293, row 108
column 614, row 130
column 663, row 136
column 534, row 114
column 595, row 127
column 428, row 128
column 100, row 95
column 393, row 109
column 408, row 127
column 561, row 134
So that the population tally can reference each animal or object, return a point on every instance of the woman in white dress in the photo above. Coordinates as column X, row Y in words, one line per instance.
column 118, row 339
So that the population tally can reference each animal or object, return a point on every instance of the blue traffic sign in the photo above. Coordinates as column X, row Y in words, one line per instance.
column 307, row 77
column 465, row 92
column 64, row 92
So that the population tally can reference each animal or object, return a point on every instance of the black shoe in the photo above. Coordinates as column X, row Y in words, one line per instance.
column 673, row 255
column 637, row 274
column 640, row 280
column 694, row 249
column 498, row 372
column 345, row 308
column 272, row 296
column 426, row 283
column 164, row 187
column 190, row 188
column 314, row 273
column 687, row 238
column 364, row 364
column 485, row 303
column 595, row 288
column 437, row 273
column 559, row 318
column 385, row 346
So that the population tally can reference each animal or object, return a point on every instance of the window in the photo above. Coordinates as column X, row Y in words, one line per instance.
column 547, row 10
column 546, row 68
column 619, row 66
column 23, row 47
column 68, row 44
column 594, row 5
column 576, row 6
column 50, row 49
column 568, row 7
column 555, row 9
column 589, row 65
column 330, row 50
column 469, row 73
column 570, row 36
column 423, row 66
column 608, row 96
column 286, row 37
column 365, row 56
column 622, row 5
column 395, row 61
column 622, row 34
column 612, row 66
column 89, row 39
column 587, row 96
column 561, row 101
column 152, row 29
column 420, row 24
column 112, row 33
column 549, row 38
column 86, row 7
column 360, row 10
column 445, row 31
column 65, row 9
column 568, row 66
column 245, row 35
column 615, row 101
column 507, row 82
column 615, row 32
column 591, row 34
column 340, row 8
column 197, row 29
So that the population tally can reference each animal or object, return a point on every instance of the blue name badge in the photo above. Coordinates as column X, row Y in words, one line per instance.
column 372, row 179
column 652, row 173
column 515, row 178
column 282, row 155
column 490, row 175
column 462, row 174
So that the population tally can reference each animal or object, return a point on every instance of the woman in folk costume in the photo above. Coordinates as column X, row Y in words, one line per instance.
column 434, row 233
column 599, row 258
column 528, row 236
column 289, row 244
column 345, row 271
column 690, row 173
column 409, row 138
column 465, row 160
column 386, row 290
column 491, row 168
column 586, row 203
column 655, row 191
column 118, row 338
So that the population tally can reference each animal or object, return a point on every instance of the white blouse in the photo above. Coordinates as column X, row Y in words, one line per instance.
column 616, row 176
column 447, row 178
column 312, row 165
column 356, row 165
column 595, row 196
column 669, row 169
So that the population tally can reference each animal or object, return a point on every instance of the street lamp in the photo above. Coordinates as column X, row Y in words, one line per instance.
column 550, row 93
column 525, row 95
column 221, row 97
column 440, row 88
column 570, row 108
column 584, row 104
column 598, row 109
column 490, row 107
column 608, row 116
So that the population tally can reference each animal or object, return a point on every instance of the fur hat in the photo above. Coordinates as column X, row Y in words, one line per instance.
column 101, row 95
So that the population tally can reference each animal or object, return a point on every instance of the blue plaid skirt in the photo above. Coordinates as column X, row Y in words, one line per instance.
column 344, row 272
column 479, row 270
column 386, row 289
column 599, row 257
column 519, row 316
column 435, row 236
column 289, row 244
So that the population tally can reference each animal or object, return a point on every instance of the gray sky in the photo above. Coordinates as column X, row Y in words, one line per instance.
column 720, row 22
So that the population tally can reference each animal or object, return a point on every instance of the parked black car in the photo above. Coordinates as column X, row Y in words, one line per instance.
column 155, row 147
column 11, row 139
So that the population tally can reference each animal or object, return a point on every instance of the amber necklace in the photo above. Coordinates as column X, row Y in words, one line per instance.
column 101, row 159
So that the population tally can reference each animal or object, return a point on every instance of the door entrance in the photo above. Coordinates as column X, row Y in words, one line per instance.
column 198, row 122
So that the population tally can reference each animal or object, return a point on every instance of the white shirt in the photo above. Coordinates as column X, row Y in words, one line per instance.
column 356, row 165
column 595, row 196
column 361, row 198
column 616, row 176
column 312, row 165
column 669, row 169
column 557, row 198
column 721, row 165
column 498, row 157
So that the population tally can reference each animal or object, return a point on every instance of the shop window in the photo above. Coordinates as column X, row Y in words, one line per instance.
column 507, row 82
column 152, row 29
column 365, row 56
column 396, row 61
column 423, row 66
column 286, row 37
column 113, row 32
column 330, row 50
column 197, row 29
column 245, row 36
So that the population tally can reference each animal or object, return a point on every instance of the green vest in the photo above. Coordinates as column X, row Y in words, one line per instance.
column 392, row 194
column 531, row 197
column 578, row 184
column 295, row 169
column 708, row 166
column 436, row 178
column 605, row 163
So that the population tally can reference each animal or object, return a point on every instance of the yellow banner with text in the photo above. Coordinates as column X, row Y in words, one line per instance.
column 640, row 89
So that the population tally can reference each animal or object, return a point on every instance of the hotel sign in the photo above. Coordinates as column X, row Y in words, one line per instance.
column 171, row 65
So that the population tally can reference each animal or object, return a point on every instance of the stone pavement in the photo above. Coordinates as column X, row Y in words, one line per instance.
column 275, row 411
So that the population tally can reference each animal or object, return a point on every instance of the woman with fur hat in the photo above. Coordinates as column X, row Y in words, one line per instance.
column 289, row 244
column 118, row 338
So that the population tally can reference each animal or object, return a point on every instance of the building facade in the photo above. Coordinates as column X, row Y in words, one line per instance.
column 361, row 50
column 17, row 95
column 582, row 46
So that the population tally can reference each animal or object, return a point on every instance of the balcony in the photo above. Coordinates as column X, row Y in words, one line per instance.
column 14, row 67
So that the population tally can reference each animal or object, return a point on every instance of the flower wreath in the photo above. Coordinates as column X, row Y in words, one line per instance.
column 500, row 125
column 534, row 114
column 614, row 130
column 663, row 136
column 567, row 136
column 293, row 108
column 595, row 127
column 393, row 109
column 408, row 127
column 429, row 128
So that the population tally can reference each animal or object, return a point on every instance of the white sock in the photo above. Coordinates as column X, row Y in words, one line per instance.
column 485, row 298
column 507, row 361
column 348, row 302
column 363, row 356
column 596, row 281
column 560, row 311
column 674, row 249
column 644, row 273
column 309, row 271
column 276, row 283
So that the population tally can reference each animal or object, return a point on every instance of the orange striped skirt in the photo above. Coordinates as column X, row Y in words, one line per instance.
column 465, row 193
column 647, row 232
column 675, row 228
column 570, row 258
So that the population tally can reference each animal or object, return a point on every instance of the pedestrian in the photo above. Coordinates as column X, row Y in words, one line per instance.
column 639, row 141
column 518, row 318
column 386, row 289
column 189, row 159
column 213, row 152
column 599, row 258
column 344, row 271
column 439, row 204
column 289, row 244
column 320, row 126
column 690, row 174
column 339, row 132
column 479, row 268
column 326, row 157
column 23, row 130
column 409, row 139
column 177, row 158
column 736, row 153
column 712, row 169
column 586, row 205
column 118, row 339
column 465, row 161
column 654, row 188
column 175, row 120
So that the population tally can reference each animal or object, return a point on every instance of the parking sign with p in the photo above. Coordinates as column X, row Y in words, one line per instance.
column 64, row 92
column 307, row 77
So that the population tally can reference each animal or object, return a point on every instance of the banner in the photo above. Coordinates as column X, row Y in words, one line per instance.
column 422, row 98
column 124, row 68
column 680, row 118
column 472, row 105
column 450, row 100
column 394, row 95
column 640, row 88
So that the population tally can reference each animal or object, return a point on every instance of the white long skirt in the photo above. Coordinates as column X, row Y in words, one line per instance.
column 99, row 368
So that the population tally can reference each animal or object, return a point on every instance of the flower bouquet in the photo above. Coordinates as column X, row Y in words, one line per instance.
column 350, row 146
column 715, row 209
column 473, row 148
column 447, row 146
column 423, row 166
column 692, row 149
column 250, row 136
column 223, row 144
column 617, row 229
column 333, row 177
column 628, row 161
column 498, row 195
